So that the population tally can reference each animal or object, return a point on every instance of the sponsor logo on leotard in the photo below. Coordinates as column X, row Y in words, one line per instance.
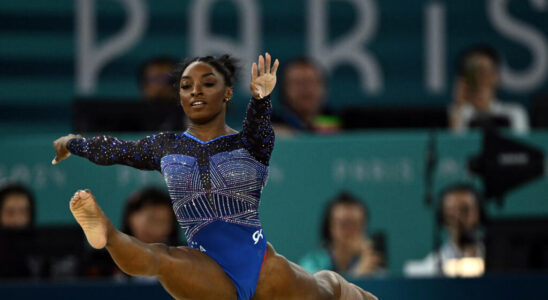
column 257, row 235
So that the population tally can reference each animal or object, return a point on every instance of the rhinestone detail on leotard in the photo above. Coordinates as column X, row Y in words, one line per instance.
column 221, row 179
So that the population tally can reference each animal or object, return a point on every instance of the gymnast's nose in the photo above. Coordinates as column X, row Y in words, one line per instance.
column 196, row 90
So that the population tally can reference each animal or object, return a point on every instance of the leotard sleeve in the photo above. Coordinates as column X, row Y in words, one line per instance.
column 257, row 133
column 144, row 154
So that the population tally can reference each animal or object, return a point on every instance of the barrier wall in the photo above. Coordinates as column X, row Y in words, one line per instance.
column 386, row 169
column 530, row 287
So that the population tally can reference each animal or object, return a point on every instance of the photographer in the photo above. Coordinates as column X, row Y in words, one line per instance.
column 461, row 214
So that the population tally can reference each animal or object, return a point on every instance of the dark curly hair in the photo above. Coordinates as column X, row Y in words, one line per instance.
column 225, row 64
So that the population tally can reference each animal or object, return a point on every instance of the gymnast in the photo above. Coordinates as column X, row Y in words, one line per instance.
column 214, row 176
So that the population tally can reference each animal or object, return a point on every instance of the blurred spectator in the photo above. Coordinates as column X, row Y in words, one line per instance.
column 161, row 110
column 461, row 213
column 16, row 218
column 475, row 103
column 16, row 207
column 155, row 80
column 303, row 93
column 149, row 217
column 26, row 251
column 346, row 246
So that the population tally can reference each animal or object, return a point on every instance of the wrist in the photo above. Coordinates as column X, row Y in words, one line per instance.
column 258, row 97
column 68, row 143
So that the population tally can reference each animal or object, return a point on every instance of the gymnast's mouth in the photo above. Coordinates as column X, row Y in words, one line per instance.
column 198, row 103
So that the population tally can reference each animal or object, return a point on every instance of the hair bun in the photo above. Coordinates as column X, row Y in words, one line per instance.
column 230, row 63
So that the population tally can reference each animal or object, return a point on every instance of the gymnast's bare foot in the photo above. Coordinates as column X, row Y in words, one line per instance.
column 91, row 218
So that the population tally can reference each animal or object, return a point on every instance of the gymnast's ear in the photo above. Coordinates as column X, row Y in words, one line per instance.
column 228, row 93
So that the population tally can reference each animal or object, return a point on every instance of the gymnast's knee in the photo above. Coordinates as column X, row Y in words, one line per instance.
column 343, row 288
column 327, row 275
column 332, row 279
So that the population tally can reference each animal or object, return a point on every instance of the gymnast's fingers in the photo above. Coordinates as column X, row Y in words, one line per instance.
column 261, row 65
column 275, row 67
column 267, row 64
column 253, row 72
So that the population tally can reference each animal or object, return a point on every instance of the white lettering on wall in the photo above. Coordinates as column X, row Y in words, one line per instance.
column 526, row 35
column 349, row 49
column 203, row 42
column 373, row 170
column 38, row 175
column 91, row 58
column 435, row 47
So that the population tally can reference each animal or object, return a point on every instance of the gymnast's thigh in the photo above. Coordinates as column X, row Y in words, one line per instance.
column 187, row 273
column 282, row 279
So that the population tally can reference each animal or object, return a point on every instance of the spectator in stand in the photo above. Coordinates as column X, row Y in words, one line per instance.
column 475, row 102
column 346, row 247
column 303, row 95
column 16, row 207
column 155, row 80
column 148, row 216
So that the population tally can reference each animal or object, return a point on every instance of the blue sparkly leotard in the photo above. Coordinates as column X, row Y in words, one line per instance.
column 215, row 186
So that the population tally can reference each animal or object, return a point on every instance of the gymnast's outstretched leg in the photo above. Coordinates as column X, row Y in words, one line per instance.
column 283, row 279
column 184, row 272
column 187, row 273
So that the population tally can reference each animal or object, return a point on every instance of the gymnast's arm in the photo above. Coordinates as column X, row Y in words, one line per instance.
column 143, row 154
column 257, row 133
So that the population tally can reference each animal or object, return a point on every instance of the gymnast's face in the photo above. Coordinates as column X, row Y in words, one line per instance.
column 203, row 92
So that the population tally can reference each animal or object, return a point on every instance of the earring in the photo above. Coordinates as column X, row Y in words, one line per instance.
column 227, row 99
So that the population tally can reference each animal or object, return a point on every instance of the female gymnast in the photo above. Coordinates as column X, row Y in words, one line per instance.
column 215, row 176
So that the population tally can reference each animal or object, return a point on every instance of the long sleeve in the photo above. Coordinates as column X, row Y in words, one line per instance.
column 257, row 133
column 143, row 154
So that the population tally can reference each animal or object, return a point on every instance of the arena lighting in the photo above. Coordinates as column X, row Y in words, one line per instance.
column 464, row 267
column 505, row 164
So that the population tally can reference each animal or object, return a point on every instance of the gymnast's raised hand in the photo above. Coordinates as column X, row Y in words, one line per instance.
column 263, row 78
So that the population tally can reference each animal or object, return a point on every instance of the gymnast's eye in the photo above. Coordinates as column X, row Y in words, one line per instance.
column 186, row 86
column 209, row 84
